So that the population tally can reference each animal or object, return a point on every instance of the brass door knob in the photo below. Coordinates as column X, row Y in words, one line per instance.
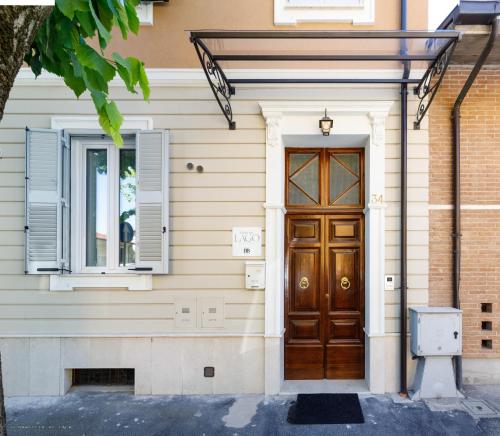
column 345, row 284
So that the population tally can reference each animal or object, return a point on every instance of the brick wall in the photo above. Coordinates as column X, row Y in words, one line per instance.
column 480, row 194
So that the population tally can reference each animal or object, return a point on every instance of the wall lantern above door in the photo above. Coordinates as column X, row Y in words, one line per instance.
column 326, row 124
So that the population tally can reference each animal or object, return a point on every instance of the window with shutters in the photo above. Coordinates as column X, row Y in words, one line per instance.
column 95, row 208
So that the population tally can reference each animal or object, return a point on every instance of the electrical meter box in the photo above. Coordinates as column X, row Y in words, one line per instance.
column 255, row 275
column 436, row 331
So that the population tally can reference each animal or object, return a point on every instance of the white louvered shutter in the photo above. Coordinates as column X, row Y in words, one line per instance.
column 43, row 202
column 152, row 202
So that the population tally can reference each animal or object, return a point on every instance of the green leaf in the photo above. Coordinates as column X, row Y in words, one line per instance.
column 105, row 14
column 121, row 17
column 94, row 80
column 104, row 35
column 69, row 7
column 89, row 58
column 87, row 23
column 99, row 99
column 133, row 20
column 66, row 7
column 144, row 82
column 77, row 84
column 111, row 120
column 114, row 115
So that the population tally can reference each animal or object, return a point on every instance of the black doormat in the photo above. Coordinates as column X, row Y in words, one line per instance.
column 326, row 409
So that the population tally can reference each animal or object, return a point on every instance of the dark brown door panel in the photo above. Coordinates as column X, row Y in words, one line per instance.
column 345, row 231
column 345, row 361
column 304, row 362
column 305, row 331
column 344, row 330
column 344, row 271
column 304, row 279
column 304, row 231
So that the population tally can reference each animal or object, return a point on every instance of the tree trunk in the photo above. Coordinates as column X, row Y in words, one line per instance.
column 19, row 25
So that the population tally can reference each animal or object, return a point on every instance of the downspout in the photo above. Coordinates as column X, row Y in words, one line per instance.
column 457, row 248
column 403, row 242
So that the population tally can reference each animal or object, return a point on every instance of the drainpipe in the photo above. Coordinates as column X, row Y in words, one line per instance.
column 457, row 248
column 403, row 246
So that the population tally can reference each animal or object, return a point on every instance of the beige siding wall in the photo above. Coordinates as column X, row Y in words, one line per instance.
column 204, row 208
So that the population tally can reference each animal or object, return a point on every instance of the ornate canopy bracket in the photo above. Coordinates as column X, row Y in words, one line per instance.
column 217, row 80
column 429, row 85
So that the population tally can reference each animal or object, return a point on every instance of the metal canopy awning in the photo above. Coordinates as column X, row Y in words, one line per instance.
column 421, row 58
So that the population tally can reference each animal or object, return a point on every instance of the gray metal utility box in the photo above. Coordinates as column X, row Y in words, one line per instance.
column 436, row 331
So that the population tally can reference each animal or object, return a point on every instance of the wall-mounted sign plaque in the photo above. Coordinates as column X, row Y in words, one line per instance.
column 247, row 241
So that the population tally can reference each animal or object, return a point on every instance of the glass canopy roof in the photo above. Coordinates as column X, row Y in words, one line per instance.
column 417, row 55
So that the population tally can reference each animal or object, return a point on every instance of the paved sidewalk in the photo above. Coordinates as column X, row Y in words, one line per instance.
column 108, row 414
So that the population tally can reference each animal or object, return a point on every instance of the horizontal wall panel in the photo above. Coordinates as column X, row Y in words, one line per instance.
column 217, row 150
column 222, row 136
column 230, row 208
column 199, row 281
column 207, row 267
column 218, row 194
column 219, row 165
column 11, row 208
column 203, row 252
column 196, row 238
column 12, row 267
column 244, row 311
column 11, row 164
column 206, row 180
column 88, row 312
column 214, row 223
column 106, row 297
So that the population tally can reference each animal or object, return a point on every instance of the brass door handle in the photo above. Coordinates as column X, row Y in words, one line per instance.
column 345, row 284
column 304, row 283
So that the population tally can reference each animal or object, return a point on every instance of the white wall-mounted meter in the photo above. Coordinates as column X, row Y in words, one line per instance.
column 255, row 274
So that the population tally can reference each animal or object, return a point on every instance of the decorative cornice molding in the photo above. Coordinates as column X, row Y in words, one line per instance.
column 374, row 109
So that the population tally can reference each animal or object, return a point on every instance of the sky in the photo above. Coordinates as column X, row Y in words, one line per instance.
column 439, row 10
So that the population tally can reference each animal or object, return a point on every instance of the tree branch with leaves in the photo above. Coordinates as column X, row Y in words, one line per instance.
column 60, row 40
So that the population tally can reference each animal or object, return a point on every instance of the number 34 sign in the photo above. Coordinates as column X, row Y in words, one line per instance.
column 247, row 241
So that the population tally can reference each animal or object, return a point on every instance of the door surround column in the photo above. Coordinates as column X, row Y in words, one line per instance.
column 300, row 117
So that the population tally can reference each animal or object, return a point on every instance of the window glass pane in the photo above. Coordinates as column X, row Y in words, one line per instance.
column 97, row 207
column 344, row 179
column 304, row 179
column 127, row 207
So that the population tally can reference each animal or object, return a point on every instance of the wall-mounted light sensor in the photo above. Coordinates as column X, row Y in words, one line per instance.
column 190, row 166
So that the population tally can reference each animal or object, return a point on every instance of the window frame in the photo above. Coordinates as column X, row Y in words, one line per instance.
column 79, row 147
column 357, row 12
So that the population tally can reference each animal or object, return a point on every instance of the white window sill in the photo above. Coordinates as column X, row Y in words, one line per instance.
column 132, row 282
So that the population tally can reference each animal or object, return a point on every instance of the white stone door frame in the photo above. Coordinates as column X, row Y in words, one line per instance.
column 301, row 117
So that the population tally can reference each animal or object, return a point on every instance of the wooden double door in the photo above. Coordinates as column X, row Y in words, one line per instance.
column 324, row 270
